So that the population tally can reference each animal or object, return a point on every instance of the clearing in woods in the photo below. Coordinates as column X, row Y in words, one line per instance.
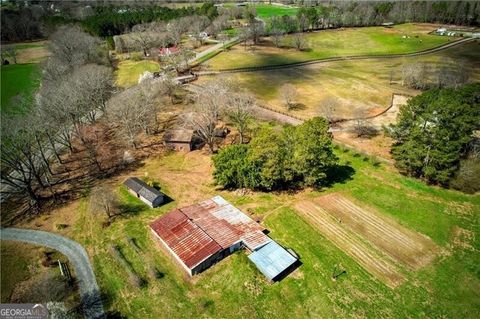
column 377, row 243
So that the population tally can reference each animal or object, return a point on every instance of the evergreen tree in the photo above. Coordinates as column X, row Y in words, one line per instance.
column 433, row 130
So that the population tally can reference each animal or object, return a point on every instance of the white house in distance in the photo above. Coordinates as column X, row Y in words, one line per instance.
column 147, row 194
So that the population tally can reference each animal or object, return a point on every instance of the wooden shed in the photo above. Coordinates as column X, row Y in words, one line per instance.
column 147, row 194
column 179, row 140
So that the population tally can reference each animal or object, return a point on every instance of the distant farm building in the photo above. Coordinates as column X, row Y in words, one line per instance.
column 388, row 24
column 147, row 194
column 179, row 140
column 167, row 51
column 200, row 235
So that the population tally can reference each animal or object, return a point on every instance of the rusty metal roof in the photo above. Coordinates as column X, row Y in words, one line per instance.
column 195, row 232
column 226, row 224
column 188, row 241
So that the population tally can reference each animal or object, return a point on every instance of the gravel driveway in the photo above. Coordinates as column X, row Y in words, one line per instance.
column 76, row 254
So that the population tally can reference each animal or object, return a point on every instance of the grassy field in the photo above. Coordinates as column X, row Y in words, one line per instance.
column 267, row 11
column 233, row 288
column 129, row 71
column 19, row 257
column 403, row 38
column 17, row 79
column 361, row 87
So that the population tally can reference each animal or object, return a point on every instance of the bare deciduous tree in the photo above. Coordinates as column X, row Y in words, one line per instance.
column 414, row 75
column 298, row 41
column 288, row 93
column 239, row 110
column 71, row 46
column 328, row 108
column 211, row 101
column 135, row 111
column 104, row 201
column 277, row 36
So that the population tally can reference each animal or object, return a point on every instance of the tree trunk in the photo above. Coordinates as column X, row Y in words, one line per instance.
column 42, row 153
column 54, row 149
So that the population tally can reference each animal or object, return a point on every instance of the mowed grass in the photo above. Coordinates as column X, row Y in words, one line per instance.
column 129, row 72
column 270, row 10
column 405, row 38
column 361, row 87
column 234, row 288
column 17, row 79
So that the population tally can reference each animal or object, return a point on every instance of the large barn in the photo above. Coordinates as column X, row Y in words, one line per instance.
column 200, row 235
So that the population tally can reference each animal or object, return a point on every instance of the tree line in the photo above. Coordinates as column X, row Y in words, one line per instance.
column 22, row 21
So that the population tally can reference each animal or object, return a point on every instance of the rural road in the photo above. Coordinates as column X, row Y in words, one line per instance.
column 335, row 59
column 212, row 49
column 76, row 254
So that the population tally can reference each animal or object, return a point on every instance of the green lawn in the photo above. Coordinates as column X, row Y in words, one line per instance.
column 17, row 79
column 267, row 11
column 233, row 288
column 405, row 38
column 129, row 71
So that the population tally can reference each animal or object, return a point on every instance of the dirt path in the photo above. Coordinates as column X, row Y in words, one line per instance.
column 76, row 254
column 405, row 246
column 374, row 261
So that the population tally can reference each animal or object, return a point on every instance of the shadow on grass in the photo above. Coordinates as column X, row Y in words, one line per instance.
column 339, row 174
column 297, row 106
column 291, row 268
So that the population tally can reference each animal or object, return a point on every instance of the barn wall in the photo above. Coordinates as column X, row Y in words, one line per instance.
column 172, row 254
column 179, row 146
column 210, row 261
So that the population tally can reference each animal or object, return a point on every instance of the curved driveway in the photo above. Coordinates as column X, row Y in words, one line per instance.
column 76, row 254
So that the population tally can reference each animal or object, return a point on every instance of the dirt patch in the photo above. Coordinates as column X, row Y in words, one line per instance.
column 187, row 176
column 370, row 258
column 32, row 55
column 377, row 146
column 412, row 249
column 463, row 238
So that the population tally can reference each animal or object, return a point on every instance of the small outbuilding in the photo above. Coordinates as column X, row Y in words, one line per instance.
column 147, row 194
column 273, row 260
column 179, row 140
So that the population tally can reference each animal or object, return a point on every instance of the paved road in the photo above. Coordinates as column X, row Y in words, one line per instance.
column 76, row 254
column 334, row 59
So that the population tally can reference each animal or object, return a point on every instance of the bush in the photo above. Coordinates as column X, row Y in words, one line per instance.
column 467, row 178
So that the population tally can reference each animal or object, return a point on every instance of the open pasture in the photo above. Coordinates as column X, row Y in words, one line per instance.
column 17, row 79
column 130, row 71
column 271, row 10
column 404, row 38
column 360, row 87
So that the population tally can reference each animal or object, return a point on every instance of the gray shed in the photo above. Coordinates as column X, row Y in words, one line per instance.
column 147, row 194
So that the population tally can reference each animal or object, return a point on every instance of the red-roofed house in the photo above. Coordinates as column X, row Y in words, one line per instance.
column 168, row 51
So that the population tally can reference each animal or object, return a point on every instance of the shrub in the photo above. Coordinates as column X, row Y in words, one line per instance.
column 467, row 178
